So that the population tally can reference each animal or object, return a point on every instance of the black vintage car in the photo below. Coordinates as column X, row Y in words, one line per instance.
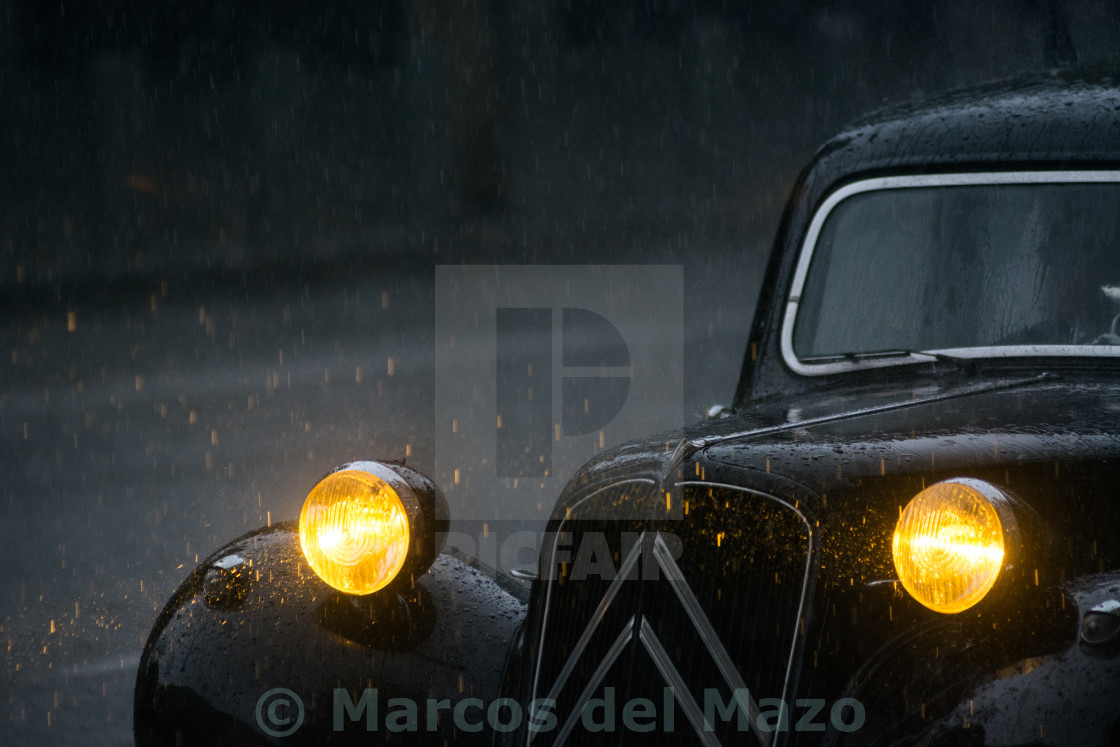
column 904, row 531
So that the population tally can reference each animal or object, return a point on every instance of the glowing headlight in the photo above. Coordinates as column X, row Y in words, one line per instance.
column 950, row 543
column 354, row 529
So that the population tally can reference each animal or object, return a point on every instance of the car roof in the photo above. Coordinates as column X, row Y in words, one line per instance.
column 1060, row 119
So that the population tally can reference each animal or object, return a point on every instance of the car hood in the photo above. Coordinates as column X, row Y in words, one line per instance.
column 941, row 428
column 779, row 521
column 1040, row 418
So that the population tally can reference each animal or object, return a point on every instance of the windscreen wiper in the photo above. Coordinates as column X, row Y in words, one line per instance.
column 943, row 357
column 866, row 355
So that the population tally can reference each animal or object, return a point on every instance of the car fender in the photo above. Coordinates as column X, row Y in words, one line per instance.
column 1050, row 675
column 1069, row 697
column 254, row 648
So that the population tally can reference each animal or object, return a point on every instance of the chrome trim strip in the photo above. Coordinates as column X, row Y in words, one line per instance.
column 809, row 245
column 549, row 585
column 708, row 635
column 804, row 576
column 689, row 705
column 953, row 393
column 597, row 617
column 600, row 672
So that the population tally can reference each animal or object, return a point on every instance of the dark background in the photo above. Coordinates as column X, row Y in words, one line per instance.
column 219, row 223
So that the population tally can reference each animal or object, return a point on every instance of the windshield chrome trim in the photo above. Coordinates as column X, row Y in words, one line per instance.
column 808, row 245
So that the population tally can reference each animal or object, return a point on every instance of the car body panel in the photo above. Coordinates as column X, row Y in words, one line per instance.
column 1068, row 695
column 254, row 617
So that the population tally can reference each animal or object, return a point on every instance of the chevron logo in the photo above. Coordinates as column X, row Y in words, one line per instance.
column 638, row 629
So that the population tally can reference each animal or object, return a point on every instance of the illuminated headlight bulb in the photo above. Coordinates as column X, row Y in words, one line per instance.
column 950, row 543
column 354, row 530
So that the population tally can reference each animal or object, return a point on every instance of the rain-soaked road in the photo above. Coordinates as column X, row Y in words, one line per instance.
column 142, row 426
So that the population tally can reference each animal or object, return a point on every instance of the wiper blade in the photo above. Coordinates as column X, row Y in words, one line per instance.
column 867, row 355
column 945, row 357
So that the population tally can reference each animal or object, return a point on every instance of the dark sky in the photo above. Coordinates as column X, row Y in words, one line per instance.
column 146, row 138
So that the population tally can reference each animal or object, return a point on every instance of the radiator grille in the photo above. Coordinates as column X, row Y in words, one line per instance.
column 702, row 605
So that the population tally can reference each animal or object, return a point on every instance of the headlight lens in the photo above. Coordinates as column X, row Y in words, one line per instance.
column 354, row 530
column 950, row 543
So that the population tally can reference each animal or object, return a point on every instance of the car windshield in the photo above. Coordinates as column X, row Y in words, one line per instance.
column 1010, row 266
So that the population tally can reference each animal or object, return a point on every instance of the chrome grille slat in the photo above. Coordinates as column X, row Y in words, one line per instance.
column 596, row 619
column 608, row 661
column 665, row 665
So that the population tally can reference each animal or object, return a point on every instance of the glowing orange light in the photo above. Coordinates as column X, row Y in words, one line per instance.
column 948, row 546
column 354, row 531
